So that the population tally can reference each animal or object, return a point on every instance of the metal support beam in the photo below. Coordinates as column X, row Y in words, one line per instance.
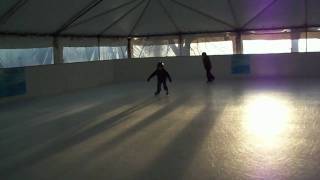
column 99, row 46
column 203, row 14
column 120, row 18
column 238, row 44
column 8, row 14
column 101, row 14
column 259, row 14
column 79, row 14
column 57, row 51
column 169, row 16
column 139, row 19
column 306, row 21
column 295, row 36
column 129, row 48
column 180, row 45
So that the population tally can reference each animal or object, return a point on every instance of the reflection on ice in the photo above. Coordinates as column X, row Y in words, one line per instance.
column 266, row 117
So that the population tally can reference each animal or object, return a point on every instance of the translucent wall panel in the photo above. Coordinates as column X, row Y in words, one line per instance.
column 211, row 48
column 155, row 47
column 115, row 48
column 267, row 42
column 19, row 51
column 110, row 53
column 212, row 44
column 312, row 43
column 25, row 57
column 266, row 46
column 80, row 54
column 79, row 49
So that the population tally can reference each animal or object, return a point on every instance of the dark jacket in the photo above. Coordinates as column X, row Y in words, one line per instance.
column 161, row 74
column 206, row 62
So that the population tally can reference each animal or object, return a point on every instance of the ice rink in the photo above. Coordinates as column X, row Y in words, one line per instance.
column 250, row 130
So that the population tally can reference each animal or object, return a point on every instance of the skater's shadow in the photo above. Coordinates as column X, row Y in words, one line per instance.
column 176, row 157
column 69, row 137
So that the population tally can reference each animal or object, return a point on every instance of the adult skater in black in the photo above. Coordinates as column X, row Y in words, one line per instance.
column 162, row 76
column 207, row 65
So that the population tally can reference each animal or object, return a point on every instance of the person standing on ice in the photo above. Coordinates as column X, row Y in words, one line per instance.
column 207, row 65
column 162, row 76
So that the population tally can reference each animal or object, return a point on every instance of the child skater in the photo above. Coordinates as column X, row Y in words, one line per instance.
column 162, row 76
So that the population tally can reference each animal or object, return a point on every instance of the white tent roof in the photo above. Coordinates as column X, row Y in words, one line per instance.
column 152, row 17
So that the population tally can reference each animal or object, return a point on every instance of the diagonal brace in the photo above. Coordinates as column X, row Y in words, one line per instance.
column 101, row 14
column 204, row 14
column 120, row 18
column 79, row 14
column 259, row 13
column 7, row 15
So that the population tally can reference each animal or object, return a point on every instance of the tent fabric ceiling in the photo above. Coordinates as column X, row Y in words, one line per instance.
column 152, row 17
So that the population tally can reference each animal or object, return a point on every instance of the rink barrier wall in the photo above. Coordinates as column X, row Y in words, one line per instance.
column 297, row 65
column 59, row 78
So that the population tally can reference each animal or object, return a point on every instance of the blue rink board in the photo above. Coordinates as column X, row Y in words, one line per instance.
column 240, row 64
column 12, row 82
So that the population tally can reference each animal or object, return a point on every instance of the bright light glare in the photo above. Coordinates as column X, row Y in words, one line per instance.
column 266, row 46
column 266, row 117
column 211, row 48
column 312, row 43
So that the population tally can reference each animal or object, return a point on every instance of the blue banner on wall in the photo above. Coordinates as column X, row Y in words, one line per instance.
column 240, row 64
column 12, row 82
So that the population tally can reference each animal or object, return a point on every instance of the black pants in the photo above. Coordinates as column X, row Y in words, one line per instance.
column 210, row 77
column 159, row 86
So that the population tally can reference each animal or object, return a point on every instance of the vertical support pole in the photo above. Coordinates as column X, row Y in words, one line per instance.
column 295, row 36
column 306, row 39
column 99, row 56
column 129, row 47
column 186, row 46
column 239, row 45
column 306, row 22
column 180, row 45
column 57, row 51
